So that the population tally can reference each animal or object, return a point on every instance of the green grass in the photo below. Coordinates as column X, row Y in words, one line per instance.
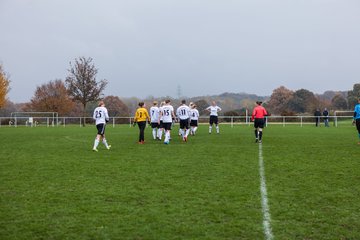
column 52, row 186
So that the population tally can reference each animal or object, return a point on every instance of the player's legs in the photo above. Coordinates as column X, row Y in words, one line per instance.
column 141, row 131
column 167, row 127
column 100, row 131
column 358, row 128
column 105, row 142
column 217, row 125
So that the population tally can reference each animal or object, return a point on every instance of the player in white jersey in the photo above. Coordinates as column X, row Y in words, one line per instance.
column 214, row 109
column 167, row 115
column 183, row 113
column 155, row 116
column 161, row 124
column 101, row 117
column 194, row 118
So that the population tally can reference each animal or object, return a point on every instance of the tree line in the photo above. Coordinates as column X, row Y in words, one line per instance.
column 78, row 94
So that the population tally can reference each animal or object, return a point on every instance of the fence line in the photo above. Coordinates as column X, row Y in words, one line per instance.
column 232, row 120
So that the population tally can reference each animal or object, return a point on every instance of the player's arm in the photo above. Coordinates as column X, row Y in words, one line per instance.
column 106, row 115
column 253, row 115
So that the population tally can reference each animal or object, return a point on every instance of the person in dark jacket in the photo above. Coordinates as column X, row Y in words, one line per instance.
column 326, row 117
column 317, row 115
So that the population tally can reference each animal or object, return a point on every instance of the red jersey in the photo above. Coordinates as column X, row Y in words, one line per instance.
column 259, row 112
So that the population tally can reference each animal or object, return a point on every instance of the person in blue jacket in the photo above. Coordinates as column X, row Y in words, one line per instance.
column 356, row 120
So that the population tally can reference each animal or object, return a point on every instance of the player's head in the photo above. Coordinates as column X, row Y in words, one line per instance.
column 259, row 102
column 183, row 101
column 162, row 103
column 155, row 103
column 167, row 101
column 101, row 104
column 141, row 104
column 193, row 106
column 191, row 103
column 213, row 103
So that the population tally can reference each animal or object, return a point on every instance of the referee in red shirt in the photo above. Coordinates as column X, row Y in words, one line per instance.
column 258, row 116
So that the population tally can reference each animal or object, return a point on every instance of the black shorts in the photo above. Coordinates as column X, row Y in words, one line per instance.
column 154, row 125
column 358, row 124
column 101, row 129
column 259, row 122
column 167, row 126
column 184, row 123
column 194, row 123
column 161, row 125
column 213, row 119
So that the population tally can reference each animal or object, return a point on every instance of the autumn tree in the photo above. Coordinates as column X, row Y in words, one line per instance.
column 303, row 101
column 353, row 95
column 51, row 97
column 4, row 86
column 279, row 100
column 116, row 107
column 201, row 106
column 82, row 84
column 338, row 102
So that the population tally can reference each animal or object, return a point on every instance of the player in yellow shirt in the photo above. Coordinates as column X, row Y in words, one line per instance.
column 141, row 116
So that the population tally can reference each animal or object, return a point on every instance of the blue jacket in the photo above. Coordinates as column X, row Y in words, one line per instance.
column 357, row 111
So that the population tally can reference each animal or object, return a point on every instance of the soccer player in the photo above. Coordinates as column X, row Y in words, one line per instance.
column 357, row 117
column 154, row 116
column 183, row 113
column 258, row 116
column 213, row 109
column 194, row 118
column 161, row 125
column 101, row 117
column 141, row 116
column 167, row 115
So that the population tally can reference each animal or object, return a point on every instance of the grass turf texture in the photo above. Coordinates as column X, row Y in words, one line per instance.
column 52, row 186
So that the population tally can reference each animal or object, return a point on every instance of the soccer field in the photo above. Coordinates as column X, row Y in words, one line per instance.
column 301, row 183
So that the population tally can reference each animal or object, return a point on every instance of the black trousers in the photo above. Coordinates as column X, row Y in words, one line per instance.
column 142, row 126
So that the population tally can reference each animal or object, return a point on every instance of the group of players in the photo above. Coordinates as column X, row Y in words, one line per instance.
column 162, row 118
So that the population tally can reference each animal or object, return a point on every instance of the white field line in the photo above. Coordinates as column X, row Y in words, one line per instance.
column 264, row 198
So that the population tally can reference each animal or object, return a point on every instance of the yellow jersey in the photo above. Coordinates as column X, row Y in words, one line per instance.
column 141, row 115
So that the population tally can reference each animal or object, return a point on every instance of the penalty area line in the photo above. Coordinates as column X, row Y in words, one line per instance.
column 264, row 198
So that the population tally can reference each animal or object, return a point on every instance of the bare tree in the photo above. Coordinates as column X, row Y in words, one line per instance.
column 82, row 84
column 4, row 86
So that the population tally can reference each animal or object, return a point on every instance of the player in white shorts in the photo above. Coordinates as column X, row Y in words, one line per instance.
column 194, row 118
column 167, row 115
column 183, row 113
column 101, row 117
column 155, row 116
column 214, row 109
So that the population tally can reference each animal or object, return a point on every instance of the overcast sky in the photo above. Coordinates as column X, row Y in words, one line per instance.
column 202, row 47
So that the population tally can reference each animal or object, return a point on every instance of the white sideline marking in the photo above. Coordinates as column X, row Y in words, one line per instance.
column 264, row 199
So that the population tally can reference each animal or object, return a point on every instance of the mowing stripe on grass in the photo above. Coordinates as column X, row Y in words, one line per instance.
column 264, row 199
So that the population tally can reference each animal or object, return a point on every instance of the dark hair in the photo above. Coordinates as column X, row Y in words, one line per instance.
column 167, row 101
column 141, row 104
column 183, row 101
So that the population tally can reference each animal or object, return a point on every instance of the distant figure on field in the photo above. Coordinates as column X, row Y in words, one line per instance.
column 101, row 117
column 167, row 115
column 326, row 117
column 141, row 116
column 194, row 118
column 317, row 115
column 183, row 114
column 258, row 116
column 155, row 115
column 357, row 118
column 213, row 110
